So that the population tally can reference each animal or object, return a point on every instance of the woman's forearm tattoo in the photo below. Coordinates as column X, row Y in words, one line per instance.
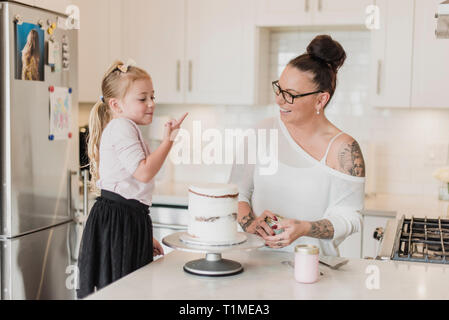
column 322, row 229
column 247, row 219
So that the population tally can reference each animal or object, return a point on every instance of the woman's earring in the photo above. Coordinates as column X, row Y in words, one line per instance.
column 318, row 112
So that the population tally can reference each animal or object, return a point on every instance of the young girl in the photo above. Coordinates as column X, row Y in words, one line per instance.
column 118, row 238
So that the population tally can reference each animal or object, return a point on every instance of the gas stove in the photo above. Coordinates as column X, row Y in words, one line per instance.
column 415, row 240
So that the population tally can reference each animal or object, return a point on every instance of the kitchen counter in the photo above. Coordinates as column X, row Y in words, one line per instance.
column 408, row 205
column 266, row 278
column 176, row 193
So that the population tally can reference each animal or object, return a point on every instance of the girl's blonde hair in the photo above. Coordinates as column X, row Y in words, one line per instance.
column 115, row 84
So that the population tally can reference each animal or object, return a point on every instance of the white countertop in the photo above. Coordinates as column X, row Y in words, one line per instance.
column 176, row 193
column 266, row 278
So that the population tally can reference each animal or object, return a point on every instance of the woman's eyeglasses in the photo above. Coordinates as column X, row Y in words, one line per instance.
column 288, row 97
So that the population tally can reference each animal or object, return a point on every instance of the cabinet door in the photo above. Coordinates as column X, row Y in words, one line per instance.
column 351, row 247
column 430, row 59
column 28, row 2
column 284, row 12
column 99, row 44
column 53, row 5
column 220, row 52
column 341, row 12
column 153, row 36
column 392, row 47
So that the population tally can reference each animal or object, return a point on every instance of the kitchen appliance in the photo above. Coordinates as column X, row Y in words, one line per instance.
column 39, row 197
column 415, row 240
column 442, row 16
column 168, row 219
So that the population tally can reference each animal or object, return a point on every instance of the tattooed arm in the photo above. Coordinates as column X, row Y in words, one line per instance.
column 322, row 229
column 245, row 216
column 252, row 224
column 350, row 159
column 294, row 229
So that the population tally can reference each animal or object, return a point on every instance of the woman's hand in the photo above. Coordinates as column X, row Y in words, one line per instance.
column 293, row 229
column 259, row 226
column 171, row 128
column 157, row 248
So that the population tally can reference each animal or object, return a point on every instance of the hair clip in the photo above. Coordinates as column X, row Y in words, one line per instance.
column 102, row 99
column 125, row 67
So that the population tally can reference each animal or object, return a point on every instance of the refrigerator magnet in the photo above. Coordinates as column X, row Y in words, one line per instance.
column 29, row 52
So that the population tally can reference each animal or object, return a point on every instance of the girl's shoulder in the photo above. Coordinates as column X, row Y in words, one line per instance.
column 121, row 128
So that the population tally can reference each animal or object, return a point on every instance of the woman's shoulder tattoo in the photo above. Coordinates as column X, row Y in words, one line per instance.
column 350, row 159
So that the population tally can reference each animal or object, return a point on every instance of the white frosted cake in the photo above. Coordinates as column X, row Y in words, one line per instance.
column 213, row 212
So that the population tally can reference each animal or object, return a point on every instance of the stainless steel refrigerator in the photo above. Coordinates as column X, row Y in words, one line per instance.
column 39, row 196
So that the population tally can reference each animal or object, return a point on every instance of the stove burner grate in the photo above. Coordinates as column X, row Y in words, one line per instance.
column 422, row 240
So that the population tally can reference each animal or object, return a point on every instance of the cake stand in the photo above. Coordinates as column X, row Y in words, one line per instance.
column 213, row 265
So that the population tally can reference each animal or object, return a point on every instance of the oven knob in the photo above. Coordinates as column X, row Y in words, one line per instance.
column 378, row 233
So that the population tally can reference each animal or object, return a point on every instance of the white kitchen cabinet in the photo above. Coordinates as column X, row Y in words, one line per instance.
column 153, row 35
column 311, row 12
column 430, row 59
column 28, row 2
column 363, row 244
column 391, row 54
column 351, row 247
column 53, row 5
column 100, row 43
column 283, row 12
column 220, row 52
column 346, row 12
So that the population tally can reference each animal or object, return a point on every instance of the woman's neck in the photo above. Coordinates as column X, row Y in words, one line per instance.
column 308, row 129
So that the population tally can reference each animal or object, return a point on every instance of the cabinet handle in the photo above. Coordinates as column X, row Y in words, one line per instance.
column 320, row 5
column 169, row 226
column 190, row 75
column 379, row 70
column 307, row 5
column 178, row 76
column 70, row 173
column 85, row 174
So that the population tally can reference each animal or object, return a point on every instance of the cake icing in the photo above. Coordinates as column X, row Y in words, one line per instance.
column 213, row 212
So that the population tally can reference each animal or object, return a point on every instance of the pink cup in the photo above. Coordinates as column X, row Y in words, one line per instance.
column 306, row 263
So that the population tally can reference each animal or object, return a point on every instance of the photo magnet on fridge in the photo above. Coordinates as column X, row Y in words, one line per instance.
column 29, row 52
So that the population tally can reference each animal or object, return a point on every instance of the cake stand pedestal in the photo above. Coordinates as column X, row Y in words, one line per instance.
column 213, row 265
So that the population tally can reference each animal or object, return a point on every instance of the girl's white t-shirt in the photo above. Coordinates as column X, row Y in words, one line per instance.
column 302, row 188
column 122, row 148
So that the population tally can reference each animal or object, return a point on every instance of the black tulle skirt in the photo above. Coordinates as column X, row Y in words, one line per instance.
column 117, row 240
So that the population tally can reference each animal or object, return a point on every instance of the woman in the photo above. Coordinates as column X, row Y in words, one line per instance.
column 319, row 185
column 31, row 57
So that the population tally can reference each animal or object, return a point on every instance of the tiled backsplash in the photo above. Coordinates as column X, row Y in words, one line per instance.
column 402, row 147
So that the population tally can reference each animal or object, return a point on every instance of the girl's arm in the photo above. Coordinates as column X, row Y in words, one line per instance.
column 149, row 167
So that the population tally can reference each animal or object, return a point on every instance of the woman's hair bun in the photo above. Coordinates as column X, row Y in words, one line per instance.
column 324, row 48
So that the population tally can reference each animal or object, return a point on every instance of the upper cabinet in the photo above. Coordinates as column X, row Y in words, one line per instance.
column 342, row 12
column 159, row 46
column 430, row 59
column 53, row 5
column 391, row 54
column 220, row 52
column 311, row 12
column 409, row 64
column 100, row 43
column 283, row 12
column 196, row 51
